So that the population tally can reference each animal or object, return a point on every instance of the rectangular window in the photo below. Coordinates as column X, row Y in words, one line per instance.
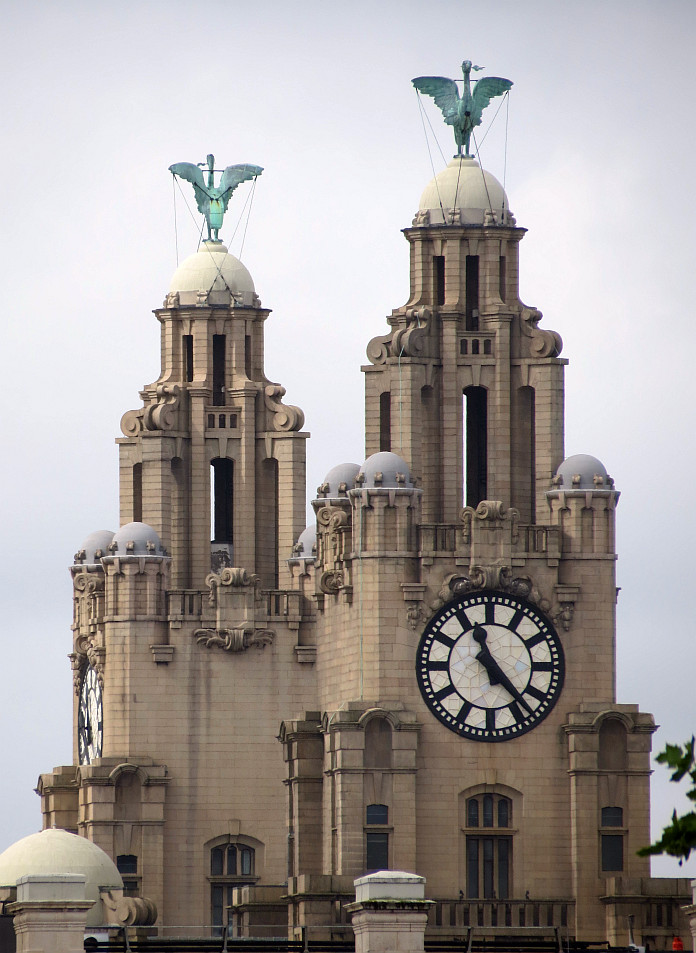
column 247, row 355
column 188, row 357
column 612, row 852
column 472, row 868
column 439, row 279
column 377, row 814
column 612, row 817
column 376, row 851
column 219, row 370
column 472, row 293
column 385, row 421
column 502, row 277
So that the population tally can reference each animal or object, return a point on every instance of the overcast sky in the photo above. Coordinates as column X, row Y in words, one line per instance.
column 100, row 98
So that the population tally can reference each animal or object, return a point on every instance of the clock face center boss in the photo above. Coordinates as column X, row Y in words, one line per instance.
column 490, row 666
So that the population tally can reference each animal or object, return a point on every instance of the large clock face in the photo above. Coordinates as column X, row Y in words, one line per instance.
column 490, row 666
column 90, row 718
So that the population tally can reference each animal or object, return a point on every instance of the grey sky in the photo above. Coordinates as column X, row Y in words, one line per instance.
column 99, row 99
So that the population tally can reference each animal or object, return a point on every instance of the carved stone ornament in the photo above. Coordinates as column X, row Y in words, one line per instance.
column 331, row 581
column 231, row 576
column 489, row 577
column 491, row 510
column 542, row 343
column 234, row 640
column 161, row 414
column 408, row 340
column 285, row 416
column 172, row 300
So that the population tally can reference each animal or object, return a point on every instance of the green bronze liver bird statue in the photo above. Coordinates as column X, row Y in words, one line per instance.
column 212, row 201
column 462, row 112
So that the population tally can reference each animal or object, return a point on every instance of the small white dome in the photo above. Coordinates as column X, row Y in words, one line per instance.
column 582, row 472
column 470, row 191
column 385, row 469
column 136, row 539
column 55, row 851
column 306, row 545
column 94, row 547
column 212, row 276
column 338, row 481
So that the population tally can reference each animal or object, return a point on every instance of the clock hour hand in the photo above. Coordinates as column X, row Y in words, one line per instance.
column 495, row 673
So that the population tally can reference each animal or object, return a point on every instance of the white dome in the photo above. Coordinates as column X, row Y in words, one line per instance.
column 56, row 851
column 582, row 472
column 465, row 187
column 306, row 545
column 385, row 469
column 94, row 547
column 136, row 539
column 212, row 276
column 343, row 474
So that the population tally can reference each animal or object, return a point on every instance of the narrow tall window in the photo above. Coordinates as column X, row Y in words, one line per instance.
column 138, row 493
column 524, row 453
column 376, row 851
column 385, row 421
column 472, row 293
column 439, row 279
column 188, row 357
column 475, row 432
column 267, row 517
column 247, row 355
column 128, row 864
column 222, row 507
column 219, row 370
column 612, row 852
column 502, row 278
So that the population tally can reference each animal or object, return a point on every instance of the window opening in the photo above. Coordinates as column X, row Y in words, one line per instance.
column 376, row 851
column 138, row 493
column 439, row 278
column 385, row 421
column 222, row 503
column 489, row 855
column 376, row 814
column 502, row 277
column 188, row 357
column 219, row 370
column 247, row 355
column 475, row 437
column 472, row 293
column 612, row 852
column 612, row 817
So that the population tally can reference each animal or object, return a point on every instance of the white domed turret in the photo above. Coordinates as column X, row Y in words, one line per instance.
column 338, row 481
column 212, row 276
column 582, row 472
column 136, row 539
column 467, row 194
column 94, row 547
column 55, row 851
column 306, row 546
column 385, row 469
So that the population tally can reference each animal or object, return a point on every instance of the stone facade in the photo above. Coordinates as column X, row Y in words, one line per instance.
column 263, row 728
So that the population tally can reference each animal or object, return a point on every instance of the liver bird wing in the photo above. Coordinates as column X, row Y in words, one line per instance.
column 193, row 174
column 231, row 178
column 445, row 93
column 486, row 89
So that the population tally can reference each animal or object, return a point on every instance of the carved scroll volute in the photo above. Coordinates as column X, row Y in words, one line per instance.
column 132, row 423
column 542, row 343
column 163, row 414
column 286, row 417
column 378, row 349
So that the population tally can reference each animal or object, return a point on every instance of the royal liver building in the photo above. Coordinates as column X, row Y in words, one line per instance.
column 423, row 679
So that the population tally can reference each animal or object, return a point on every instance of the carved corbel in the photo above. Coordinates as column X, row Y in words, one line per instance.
column 564, row 608
column 492, row 511
column 237, row 639
column 331, row 581
column 411, row 340
column 285, row 416
column 542, row 343
column 162, row 415
column 132, row 423
column 378, row 349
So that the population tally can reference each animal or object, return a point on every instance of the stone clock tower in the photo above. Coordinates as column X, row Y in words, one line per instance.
column 423, row 679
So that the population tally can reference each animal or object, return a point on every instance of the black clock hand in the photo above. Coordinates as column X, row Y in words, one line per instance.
column 495, row 673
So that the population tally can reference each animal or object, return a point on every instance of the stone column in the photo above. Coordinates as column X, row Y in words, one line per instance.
column 390, row 912
column 50, row 913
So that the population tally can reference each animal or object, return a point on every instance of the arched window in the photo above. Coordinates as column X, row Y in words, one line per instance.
column 377, row 834
column 612, row 745
column 378, row 743
column 232, row 864
column 488, row 847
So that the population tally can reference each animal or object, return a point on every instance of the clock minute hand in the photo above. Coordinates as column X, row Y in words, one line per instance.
column 495, row 673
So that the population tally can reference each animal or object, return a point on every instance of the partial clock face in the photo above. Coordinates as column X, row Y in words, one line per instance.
column 90, row 718
column 490, row 666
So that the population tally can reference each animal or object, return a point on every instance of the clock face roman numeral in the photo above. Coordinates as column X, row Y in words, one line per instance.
column 490, row 666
